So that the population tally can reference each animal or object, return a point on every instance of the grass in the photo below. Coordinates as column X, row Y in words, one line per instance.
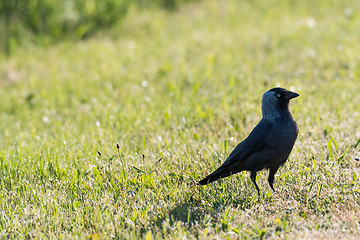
column 177, row 91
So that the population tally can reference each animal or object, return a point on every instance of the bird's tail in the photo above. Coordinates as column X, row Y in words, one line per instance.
column 219, row 173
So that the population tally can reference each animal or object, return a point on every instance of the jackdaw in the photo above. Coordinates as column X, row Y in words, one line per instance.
column 268, row 145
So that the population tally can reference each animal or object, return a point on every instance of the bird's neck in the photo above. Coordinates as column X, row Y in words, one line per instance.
column 275, row 112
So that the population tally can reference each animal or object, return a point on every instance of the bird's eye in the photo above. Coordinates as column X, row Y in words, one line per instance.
column 278, row 95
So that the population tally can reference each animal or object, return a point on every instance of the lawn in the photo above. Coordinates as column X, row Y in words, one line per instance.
column 106, row 137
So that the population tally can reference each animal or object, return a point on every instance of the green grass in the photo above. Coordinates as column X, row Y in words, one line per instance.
column 177, row 91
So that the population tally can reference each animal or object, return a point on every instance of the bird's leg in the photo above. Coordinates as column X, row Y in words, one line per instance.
column 253, row 179
column 271, row 178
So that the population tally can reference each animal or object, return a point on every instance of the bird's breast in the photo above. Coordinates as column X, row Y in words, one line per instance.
column 285, row 132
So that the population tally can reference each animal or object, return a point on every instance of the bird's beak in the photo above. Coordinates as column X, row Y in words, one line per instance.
column 289, row 95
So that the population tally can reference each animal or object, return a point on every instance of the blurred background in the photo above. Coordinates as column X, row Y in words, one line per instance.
column 49, row 21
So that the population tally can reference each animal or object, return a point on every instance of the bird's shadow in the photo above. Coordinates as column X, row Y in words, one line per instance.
column 193, row 211
column 185, row 212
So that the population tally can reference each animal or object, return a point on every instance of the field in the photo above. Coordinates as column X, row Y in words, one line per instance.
column 106, row 137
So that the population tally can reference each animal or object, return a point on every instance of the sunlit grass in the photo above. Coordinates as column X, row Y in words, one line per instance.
column 177, row 91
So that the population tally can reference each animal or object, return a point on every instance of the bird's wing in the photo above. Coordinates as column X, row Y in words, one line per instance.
column 253, row 143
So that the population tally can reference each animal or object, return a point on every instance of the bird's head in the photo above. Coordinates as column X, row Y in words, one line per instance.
column 275, row 102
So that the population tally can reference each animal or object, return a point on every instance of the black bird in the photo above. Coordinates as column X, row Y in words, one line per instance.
column 268, row 145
